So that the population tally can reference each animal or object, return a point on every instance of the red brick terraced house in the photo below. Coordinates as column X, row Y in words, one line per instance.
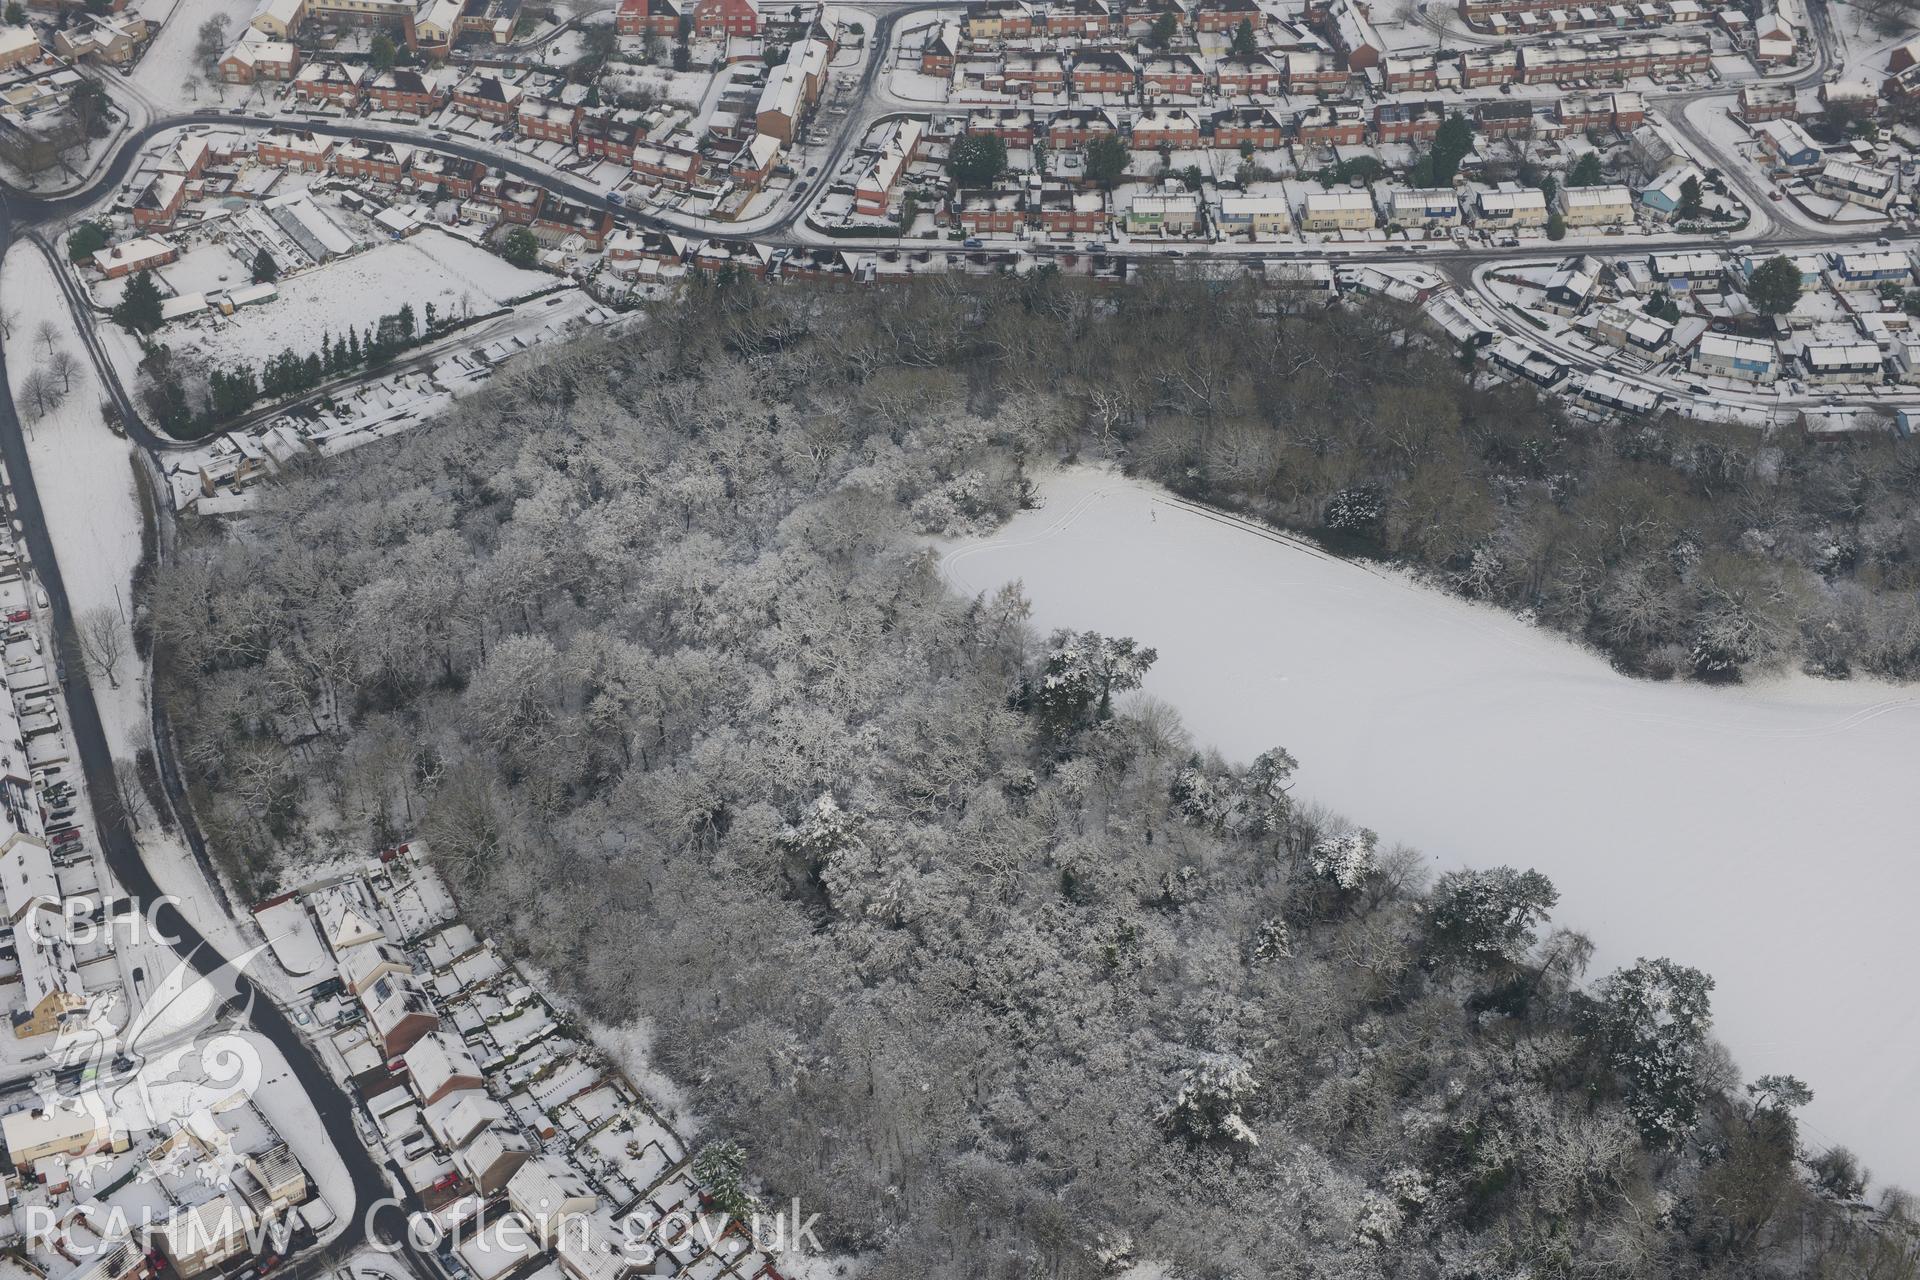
column 1584, row 111
column 745, row 257
column 517, row 201
column 1331, row 126
column 1067, row 211
column 675, row 166
column 1088, row 19
column 294, row 150
column 1138, row 19
column 373, row 161
column 1000, row 212
column 1480, row 68
column 610, row 135
column 459, row 178
column 1077, row 126
column 1104, row 71
column 1166, row 127
column 1040, row 73
column 405, row 92
column 559, row 219
column 1173, row 74
column 648, row 18
column 1504, row 117
column 726, row 18
column 1011, row 125
column 1418, row 74
column 548, row 119
column 1258, row 127
column 1241, row 74
column 987, row 21
column 1317, row 72
column 488, row 97
column 1227, row 15
column 817, row 266
column 329, row 81
column 1408, row 121
column 651, row 246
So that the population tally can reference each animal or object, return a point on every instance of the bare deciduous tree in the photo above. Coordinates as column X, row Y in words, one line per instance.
column 130, row 807
column 47, row 334
column 40, row 393
column 63, row 366
column 103, row 641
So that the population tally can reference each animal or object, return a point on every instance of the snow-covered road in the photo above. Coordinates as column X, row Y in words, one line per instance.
column 1765, row 834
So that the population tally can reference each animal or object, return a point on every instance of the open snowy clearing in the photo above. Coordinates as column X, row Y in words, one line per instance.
column 162, row 75
column 354, row 292
column 84, row 473
column 1763, row 834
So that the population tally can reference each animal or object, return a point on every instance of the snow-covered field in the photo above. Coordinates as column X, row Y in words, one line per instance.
column 1764, row 834
column 354, row 292
column 84, row 475
column 681, row 88
column 162, row 74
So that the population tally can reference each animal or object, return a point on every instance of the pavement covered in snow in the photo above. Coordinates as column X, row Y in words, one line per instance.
column 1763, row 834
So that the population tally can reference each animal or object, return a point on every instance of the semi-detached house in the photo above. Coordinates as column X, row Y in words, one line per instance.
column 1071, row 211
column 487, row 97
column 1077, row 126
column 1511, row 205
column 1159, row 127
column 1833, row 363
column 1603, row 206
column 1249, row 73
column 1256, row 127
column 1424, row 207
column 610, row 135
column 873, row 191
column 658, row 18
column 1175, row 74
column 1254, row 216
column 373, row 160
column 405, row 92
column 1164, row 213
column 1343, row 210
column 328, row 81
column 1722, row 355
column 1103, row 71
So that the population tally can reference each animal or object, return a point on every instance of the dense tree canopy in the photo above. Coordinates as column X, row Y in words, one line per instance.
column 977, row 159
column 961, row 939
column 1774, row 286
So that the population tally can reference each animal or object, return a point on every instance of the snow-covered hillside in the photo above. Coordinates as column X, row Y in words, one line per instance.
column 1764, row 834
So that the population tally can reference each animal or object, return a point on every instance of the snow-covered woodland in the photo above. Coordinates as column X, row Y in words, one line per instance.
column 963, row 939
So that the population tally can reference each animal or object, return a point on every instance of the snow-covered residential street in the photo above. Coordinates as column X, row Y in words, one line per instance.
column 1654, row 808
